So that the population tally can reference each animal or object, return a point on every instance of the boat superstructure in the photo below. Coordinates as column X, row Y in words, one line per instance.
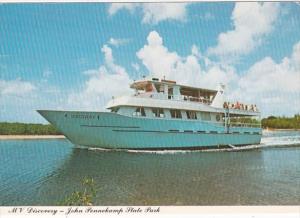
column 162, row 114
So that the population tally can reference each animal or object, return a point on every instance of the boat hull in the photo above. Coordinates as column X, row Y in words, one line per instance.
column 114, row 131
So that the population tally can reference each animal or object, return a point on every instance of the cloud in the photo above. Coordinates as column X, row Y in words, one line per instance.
column 156, row 12
column 20, row 99
column 156, row 58
column 15, row 88
column 251, row 22
column 103, row 83
column 160, row 62
column 115, row 7
column 153, row 13
column 117, row 42
column 274, row 86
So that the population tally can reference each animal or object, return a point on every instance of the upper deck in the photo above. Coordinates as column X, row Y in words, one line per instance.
column 168, row 89
column 168, row 94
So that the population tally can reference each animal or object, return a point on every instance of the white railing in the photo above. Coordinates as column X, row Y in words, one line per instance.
column 196, row 99
column 173, row 97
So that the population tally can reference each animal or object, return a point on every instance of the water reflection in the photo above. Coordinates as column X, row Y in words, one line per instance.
column 122, row 178
column 24, row 164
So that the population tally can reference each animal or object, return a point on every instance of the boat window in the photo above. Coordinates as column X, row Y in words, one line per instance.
column 140, row 111
column 175, row 114
column 191, row 115
column 205, row 116
column 115, row 109
column 158, row 112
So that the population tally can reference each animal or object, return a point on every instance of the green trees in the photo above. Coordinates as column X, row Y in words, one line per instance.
column 27, row 129
column 282, row 122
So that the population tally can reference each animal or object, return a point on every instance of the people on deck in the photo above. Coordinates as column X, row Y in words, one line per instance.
column 240, row 106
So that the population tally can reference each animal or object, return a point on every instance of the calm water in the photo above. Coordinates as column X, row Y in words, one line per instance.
column 43, row 172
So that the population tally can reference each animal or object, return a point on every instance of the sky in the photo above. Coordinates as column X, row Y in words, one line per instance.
column 76, row 56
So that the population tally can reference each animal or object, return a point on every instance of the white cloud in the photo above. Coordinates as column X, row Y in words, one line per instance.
column 107, row 81
column 20, row 99
column 161, row 62
column 153, row 13
column 117, row 42
column 156, row 12
column 156, row 58
column 115, row 7
column 251, row 22
column 15, row 88
column 274, row 86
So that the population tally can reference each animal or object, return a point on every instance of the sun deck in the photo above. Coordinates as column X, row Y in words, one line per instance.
column 168, row 89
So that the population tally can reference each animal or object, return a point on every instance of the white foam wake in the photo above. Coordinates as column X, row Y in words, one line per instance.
column 280, row 140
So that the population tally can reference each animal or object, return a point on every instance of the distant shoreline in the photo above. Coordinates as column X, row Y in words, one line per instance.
column 21, row 137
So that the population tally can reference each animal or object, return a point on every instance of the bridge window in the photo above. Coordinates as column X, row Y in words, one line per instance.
column 175, row 114
column 158, row 112
column 140, row 111
column 191, row 115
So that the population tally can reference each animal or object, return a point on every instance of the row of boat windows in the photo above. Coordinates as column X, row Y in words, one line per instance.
column 159, row 113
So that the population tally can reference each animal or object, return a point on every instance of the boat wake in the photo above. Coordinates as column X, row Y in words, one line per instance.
column 281, row 140
column 268, row 140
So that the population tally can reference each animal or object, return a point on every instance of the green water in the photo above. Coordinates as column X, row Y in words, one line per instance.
column 43, row 172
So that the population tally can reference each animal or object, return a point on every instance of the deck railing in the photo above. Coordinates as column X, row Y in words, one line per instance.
column 174, row 97
column 196, row 99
